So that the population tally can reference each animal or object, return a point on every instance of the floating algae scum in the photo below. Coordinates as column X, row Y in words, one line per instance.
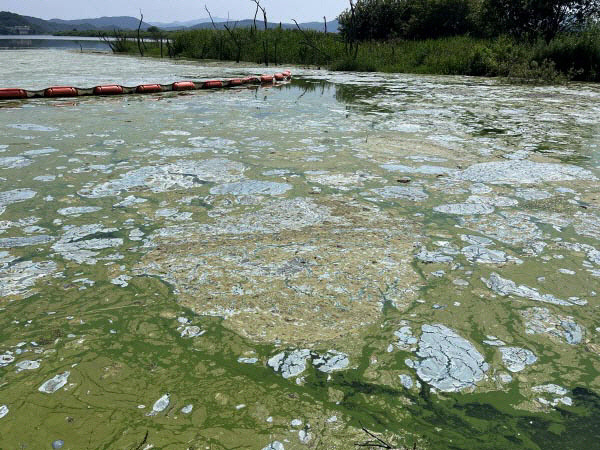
column 284, row 265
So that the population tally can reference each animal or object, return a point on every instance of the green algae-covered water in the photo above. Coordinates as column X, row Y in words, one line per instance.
column 281, row 267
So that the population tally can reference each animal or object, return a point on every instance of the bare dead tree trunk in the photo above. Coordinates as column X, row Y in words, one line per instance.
column 309, row 42
column 219, row 38
column 236, row 40
column 210, row 16
column 255, row 14
column 119, row 44
column 170, row 49
column 140, row 42
column 107, row 41
column 352, row 39
column 264, row 11
column 265, row 37
column 325, row 22
column 277, row 38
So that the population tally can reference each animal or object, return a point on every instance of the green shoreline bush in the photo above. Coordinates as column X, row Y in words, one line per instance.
column 569, row 56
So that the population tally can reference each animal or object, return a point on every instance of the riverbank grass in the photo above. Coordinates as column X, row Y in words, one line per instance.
column 567, row 57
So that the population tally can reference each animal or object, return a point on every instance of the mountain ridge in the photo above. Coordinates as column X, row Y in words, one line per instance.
column 11, row 23
column 185, row 24
column 105, row 23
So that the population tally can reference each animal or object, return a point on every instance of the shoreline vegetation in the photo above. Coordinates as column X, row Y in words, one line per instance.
column 555, row 43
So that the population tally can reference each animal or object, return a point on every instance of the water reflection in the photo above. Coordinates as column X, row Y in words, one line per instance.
column 352, row 95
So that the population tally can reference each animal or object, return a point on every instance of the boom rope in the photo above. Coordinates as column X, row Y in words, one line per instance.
column 116, row 89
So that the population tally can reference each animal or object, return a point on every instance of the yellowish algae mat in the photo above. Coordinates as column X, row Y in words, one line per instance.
column 278, row 268
column 303, row 286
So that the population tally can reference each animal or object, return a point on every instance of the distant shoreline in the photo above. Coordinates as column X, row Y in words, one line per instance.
column 48, row 37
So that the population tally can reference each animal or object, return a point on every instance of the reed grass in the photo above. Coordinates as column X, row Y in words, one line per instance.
column 569, row 56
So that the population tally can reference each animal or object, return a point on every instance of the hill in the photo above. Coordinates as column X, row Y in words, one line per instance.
column 188, row 23
column 332, row 26
column 103, row 23
column 11, row 23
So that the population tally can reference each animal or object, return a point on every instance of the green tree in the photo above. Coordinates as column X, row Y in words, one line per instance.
column 407, row 19
column 441, row 18
column 531, row 19
column 375, row 19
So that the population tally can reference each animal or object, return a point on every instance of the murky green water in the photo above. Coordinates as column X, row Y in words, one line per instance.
column 415, row 255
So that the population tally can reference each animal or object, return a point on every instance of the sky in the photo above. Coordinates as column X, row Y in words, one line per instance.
column 176, row 10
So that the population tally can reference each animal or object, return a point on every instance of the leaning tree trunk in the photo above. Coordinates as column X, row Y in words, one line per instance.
column 140, row 43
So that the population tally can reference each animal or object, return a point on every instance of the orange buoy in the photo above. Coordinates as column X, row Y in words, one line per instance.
column 148, row 88
column 211, row 84
column 183, row 86
column 61, row 91
column 112, row 89
column 115, row 89
column 12, row 93
column 249, row 80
